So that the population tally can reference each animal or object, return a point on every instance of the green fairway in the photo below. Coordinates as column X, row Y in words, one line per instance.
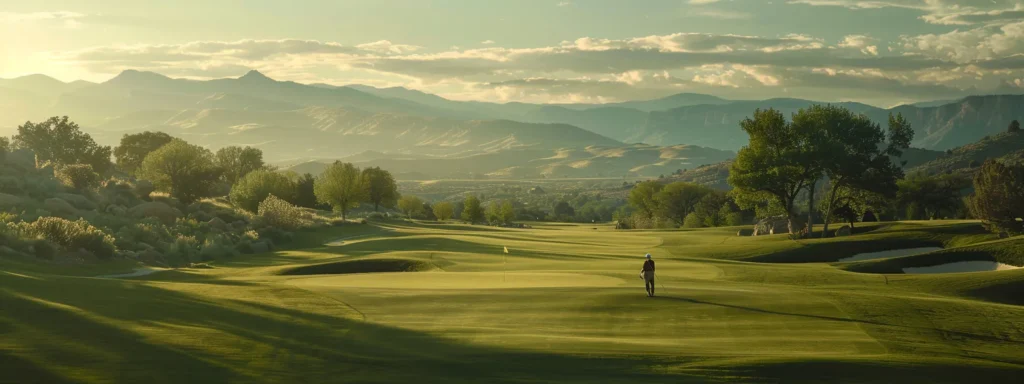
column 411, row 302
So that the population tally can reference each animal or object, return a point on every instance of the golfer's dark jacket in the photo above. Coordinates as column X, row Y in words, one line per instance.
column 649, row 265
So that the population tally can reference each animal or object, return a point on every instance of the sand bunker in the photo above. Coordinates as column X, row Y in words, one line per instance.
column 889, row 254
column 459, row 280
column 961, row 267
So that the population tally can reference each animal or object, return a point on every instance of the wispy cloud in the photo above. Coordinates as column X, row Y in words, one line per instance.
column 64, row 18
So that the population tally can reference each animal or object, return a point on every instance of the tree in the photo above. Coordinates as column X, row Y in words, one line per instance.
column 381, row 188
column 77, row 176
column 249, row 191
column 340, row 186
column 472, row 212
column 135, row 147
column 493, row 212
column 709, row 208
column 304, row 195
column 427, row 211
column 1014, row 126
column 184, row 170
column 848, row 148
column 237, row 162
column 678, row 199
column 643, row 197
column 774, row 167
column 444, row 210
column 5, row 146
column 564, row 211
column 61, row 141
column 999, row 196
column 508, row 212
column 410, row 205
column 923, row 196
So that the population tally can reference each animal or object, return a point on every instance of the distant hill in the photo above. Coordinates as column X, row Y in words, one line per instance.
column 630, row 161
column 966, row 159
column 148, row 99
column 320, row 132
column 712, row 175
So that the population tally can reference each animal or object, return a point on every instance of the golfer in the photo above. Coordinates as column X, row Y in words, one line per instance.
column 648, row 275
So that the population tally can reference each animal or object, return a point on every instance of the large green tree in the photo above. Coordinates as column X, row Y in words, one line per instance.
column 444, row 210
column 184, row 170
column 930, row 197
column 410, row 205
column 61, row 141
column 237, row 162
column 999, row 196
column 679, row 199
column 472, row 211
column 643, row 197
column 135, row 147
column 776, row 164
column 340, row 186
column 304, row 195
column 853, row 153
column 381, row 188
column 249, row 191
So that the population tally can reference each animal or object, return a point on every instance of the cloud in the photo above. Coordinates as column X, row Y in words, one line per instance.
column 943, row 12
column 564, row 3
column 702, row 1
column 67, row 19
column 860, row 42
column 487, row 42
column 592, row 68
column 979, row 44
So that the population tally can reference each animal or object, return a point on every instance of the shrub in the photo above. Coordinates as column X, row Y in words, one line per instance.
column 217, row 247
column 279, row 214
column 253, row 188
column 693, row 220
column 44, row 249
column 11, row 185
column 77, row 176
column 183, row 251
column 72, row 235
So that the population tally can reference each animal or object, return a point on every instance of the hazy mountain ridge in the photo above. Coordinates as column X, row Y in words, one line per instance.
column 321, row 132
column 134, row 101
column 629, row 161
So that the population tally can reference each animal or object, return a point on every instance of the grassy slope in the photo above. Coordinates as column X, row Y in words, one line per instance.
column 569, row 309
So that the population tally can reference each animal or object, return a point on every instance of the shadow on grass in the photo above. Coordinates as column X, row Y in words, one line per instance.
column 986, row 338
column 129, row 332
column 894, row 236
column 438, row 244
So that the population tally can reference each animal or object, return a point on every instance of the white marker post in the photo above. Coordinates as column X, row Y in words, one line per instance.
column 504, row 263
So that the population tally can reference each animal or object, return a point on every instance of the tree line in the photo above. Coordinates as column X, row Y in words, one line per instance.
column 188, row 172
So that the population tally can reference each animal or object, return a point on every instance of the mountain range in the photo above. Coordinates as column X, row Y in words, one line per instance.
column 296, row 122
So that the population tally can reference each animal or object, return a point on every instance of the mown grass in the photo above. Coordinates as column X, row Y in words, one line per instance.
column 565, row 305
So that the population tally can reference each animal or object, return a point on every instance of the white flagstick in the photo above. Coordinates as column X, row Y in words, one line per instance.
column 504, row 263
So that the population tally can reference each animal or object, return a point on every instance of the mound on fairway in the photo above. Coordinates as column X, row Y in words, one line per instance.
column 888, row 254
column 361, row 266
column 464, row 280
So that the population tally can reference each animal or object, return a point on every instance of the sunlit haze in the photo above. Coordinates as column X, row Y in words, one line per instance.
column 549, row 51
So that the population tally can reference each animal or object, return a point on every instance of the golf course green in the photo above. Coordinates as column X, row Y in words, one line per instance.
column 399, row 301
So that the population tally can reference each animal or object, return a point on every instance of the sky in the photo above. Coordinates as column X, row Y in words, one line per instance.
column 880, row 52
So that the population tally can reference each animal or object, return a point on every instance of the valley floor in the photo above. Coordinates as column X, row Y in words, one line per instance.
column 417, row 302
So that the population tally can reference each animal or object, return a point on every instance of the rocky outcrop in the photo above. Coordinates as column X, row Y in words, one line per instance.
column 771, row 226
column 843, row 231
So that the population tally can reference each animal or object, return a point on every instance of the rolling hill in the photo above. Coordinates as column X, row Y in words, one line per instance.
column 322, row 132
column 630, row 161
